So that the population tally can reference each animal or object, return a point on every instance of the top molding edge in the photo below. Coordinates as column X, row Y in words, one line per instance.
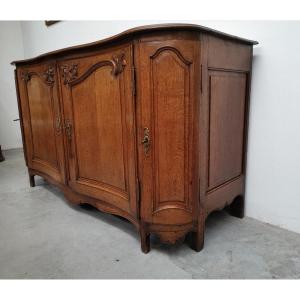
column 138, row 30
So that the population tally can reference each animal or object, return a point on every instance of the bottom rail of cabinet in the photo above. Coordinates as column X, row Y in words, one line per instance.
column 170, row 234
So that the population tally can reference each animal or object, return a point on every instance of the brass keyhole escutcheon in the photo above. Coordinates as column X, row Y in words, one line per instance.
column 58, row 125
column 146, row 140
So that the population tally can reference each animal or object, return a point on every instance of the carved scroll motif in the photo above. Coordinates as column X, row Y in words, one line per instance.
column 118, row 63
column 70, row 72
column 25, row 76
column 48, row 75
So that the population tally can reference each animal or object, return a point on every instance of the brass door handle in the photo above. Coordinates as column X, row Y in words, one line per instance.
column 68, row 129
column 146, row 142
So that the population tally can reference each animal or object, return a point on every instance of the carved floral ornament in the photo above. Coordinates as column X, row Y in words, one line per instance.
column 48, row 75
column 69, row 72
column 118, row 63
column 25, row 76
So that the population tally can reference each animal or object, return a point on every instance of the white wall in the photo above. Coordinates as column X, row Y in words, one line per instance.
column 274, row 144
column 11, row 48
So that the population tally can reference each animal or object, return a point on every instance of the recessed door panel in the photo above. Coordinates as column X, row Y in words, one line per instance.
column 169, row 107
column 99, row 140
column 226, row 137
column 42, row 119
column 42, row 126
column 99, row 108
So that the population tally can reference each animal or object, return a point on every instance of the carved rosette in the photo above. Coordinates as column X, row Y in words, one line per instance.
column 119, row 64
column 48, row 75
column 25, row 76
column 69, row 72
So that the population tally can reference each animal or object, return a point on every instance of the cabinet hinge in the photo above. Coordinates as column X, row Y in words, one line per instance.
column 133, row 81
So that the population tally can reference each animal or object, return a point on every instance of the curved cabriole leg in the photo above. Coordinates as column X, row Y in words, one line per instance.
column 31, row 180
column 237, row 207
column 145, row 239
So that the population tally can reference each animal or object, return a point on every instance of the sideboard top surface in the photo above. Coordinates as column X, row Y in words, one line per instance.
column 133, row 33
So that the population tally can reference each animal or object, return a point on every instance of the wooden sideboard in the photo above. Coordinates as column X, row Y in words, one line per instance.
column 150, row 125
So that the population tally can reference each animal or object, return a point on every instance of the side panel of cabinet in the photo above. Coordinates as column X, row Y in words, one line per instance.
column 41, row 119
column 227, row 74
column 227, row 92
column 167, row 72
column 100, row 126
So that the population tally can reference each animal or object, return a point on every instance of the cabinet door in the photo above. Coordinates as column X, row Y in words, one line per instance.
column 167, row 110
column 100, row 127
column 41, row 116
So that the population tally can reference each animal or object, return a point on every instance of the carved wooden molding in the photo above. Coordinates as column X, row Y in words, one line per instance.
column 48, row 75
column 26, row 76
column 119, row 63
column 172, row 49
column 70, row 72
column 184, row 204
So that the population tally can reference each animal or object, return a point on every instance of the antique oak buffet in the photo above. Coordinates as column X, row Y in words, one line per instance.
column 150, row 125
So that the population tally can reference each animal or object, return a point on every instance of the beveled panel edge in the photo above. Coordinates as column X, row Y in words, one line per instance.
column 132, row 33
